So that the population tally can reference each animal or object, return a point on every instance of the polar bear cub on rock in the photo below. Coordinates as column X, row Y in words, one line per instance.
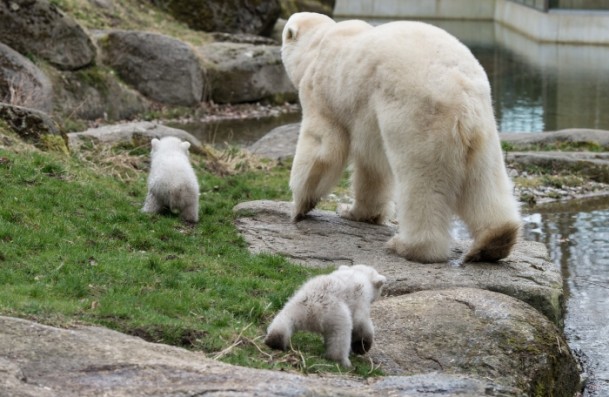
column 411, row 107
column 336, row 305
column 172, row 182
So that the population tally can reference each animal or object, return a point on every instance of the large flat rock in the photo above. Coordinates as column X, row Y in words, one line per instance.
column 42, row 361
column 325, row 239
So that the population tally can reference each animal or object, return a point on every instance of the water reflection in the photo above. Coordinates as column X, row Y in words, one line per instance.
column 577, row 237
column 241, row 132
column 538, row 86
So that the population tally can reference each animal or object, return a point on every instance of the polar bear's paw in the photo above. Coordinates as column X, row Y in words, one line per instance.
column 360, row 344
column 494, row 244
column 350, row 212
column 301, row 208
column 422, row 252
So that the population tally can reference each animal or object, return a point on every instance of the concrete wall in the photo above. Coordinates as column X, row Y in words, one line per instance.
column 555, row 26
column 558, row 26
column 449, row 9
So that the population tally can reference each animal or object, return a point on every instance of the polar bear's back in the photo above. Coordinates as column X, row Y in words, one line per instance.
column 415, row 56
column 322, row 294
column 172, row 173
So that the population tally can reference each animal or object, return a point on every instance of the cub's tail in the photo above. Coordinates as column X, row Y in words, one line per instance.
column 493, row 244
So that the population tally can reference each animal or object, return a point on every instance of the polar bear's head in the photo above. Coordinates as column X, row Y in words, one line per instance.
column 168, row 144
column 370, row 275
column 301, row 35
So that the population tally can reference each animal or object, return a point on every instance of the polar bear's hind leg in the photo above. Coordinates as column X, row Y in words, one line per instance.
column 493, row 244
column 428, row 178
column 488, row 207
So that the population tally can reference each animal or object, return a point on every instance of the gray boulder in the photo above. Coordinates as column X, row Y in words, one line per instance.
column 136, row 133
column 229, row 16
column 162, row 68
column 325, row 239
column 245, row 73
column 43, row 361
column 38, row 27
column 280, row 143
column 472, row 331
column 95, row 93
column 22, row 83
column 574, row 136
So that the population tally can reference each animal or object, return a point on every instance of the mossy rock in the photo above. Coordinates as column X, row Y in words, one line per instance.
column 33, row 126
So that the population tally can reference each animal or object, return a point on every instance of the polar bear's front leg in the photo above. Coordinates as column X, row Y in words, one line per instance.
column 321, row 155
column 152, row 204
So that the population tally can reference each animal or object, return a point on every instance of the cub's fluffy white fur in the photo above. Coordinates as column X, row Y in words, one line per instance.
column 336, row 305
column 411, row 107
column 172, row 182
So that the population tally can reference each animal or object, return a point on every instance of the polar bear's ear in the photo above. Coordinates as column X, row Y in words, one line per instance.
column 291, row 32
column 185, row 145
column 343, row 267
column 154, row 142
column 379, row 281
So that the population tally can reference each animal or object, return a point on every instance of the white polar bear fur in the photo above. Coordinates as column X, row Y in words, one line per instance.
column 172, row 182
column 410, row 106
column 336, row 305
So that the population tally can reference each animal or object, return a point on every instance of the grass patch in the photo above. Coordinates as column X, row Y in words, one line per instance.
column 130, row 15
column 556, row 181
column 561, row 146
column 75, row 248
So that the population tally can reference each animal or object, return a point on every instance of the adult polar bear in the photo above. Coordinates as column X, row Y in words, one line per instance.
column 411, row 107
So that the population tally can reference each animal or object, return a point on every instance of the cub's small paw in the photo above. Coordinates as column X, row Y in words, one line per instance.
column 361, row 346
column 344, row 361
column 276, row 341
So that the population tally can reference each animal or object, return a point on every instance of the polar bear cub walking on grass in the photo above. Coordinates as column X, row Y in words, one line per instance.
column 336, row 305
column 410, row 107
column 172, row 182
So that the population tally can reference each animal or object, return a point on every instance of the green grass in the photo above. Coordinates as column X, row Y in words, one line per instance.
column 75, row 248
column 129, row 15
column 561, row 146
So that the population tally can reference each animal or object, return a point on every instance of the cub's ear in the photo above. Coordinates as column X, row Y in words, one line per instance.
column 379, row 281
column 154, row 143
column 185, row 146
column 290, row 33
